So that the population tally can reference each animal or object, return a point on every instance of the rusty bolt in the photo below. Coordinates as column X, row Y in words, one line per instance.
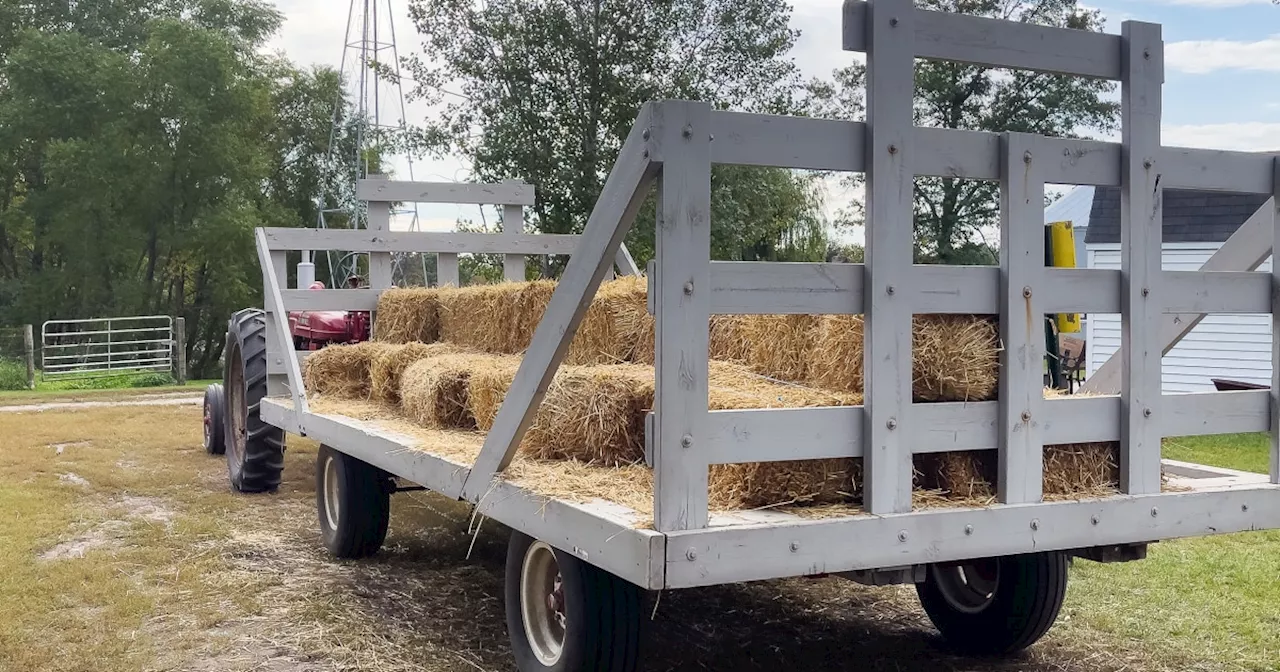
column 1026, row 157
column 686, row 441
column 1026, row 416
column 1035, row 524
column 892, row 423
column 1026, row 292
column 1147, row 163
column 893, row 149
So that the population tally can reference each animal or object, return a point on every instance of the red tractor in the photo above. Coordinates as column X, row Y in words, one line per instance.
column 254, row 449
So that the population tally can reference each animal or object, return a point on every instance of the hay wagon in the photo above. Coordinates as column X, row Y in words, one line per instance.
column 992, row 578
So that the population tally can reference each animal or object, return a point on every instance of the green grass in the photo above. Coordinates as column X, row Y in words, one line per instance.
column 1246, row 452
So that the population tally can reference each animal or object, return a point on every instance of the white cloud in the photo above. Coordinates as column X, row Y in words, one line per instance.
column 1202, row 56
column 1254, row 136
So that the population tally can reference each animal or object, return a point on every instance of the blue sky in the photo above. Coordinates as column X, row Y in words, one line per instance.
column 1222, row 58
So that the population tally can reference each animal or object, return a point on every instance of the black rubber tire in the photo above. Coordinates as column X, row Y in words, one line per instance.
column 602, row 616
column 213, row 416
column 1027, row 598
column 255, row 456
column 364, row 505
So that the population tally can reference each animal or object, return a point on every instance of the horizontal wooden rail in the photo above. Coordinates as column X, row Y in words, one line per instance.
column 277, row 365
column 770, row 435
column 823, row 144
column 511, row 193
column 330, row 299
column 350, row 240
column 799, row 288
column 962, row 38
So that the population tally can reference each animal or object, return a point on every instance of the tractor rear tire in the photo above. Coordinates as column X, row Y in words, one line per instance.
column 995, row 606
column 255, row 449
column 353, row 500
column 215, row 412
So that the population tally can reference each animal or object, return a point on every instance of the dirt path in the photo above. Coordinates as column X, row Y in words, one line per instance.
column 174, row 399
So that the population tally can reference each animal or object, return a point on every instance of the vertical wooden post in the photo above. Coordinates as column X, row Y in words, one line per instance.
column 379, row 262
column 447, row 269
column 1022, row 322
column 890, row 183
column 513, row 222
column 1141, row 238
column 278, row 383
column 29, row 348
column 683, row 302
column 1275, row 325
column 180, row 345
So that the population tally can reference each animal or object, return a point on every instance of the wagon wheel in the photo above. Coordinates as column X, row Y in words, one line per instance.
column 353, row 502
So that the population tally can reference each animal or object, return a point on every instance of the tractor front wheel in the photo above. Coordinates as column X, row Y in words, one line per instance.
column 215, row 406
column 255, row 449
column 995, row 605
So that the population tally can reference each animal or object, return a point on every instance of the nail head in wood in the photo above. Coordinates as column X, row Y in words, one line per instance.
column 902, row 536
column 893, row 149
column 892, row 423
column 795, row 546
column 686, row 441
column 1026, row 292
column 691, row 555
column 1146, row 412
column 1026, row 158
column 1026, row 416
column 1147, row 163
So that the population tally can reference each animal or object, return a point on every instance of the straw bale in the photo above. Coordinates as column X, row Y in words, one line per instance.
column 406, row 315
column 531, row 303
column 836, row 357
column 390, row 364
column 342, row 370
column 779, row 346
column 610, row 331
column 435, row 391
column 482, row 317
column 955, row 358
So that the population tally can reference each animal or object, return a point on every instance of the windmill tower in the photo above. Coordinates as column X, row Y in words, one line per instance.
column 370, row 70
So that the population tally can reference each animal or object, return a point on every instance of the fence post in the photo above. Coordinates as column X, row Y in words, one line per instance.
column 180, row 343
column 29, row 345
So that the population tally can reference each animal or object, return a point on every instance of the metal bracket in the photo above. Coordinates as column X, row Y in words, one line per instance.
column 890, row 576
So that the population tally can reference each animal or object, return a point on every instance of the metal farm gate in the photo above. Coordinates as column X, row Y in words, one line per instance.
column 108, row 346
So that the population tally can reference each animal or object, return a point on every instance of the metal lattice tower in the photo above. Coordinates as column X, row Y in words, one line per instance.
column 370, row 69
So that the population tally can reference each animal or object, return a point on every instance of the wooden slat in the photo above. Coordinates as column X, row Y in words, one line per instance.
column 890, row 183
column 1077, row 161
column 683, row 302
column 624, row 193
column 330, row 299
column 953, row 426
column 787, row 142
column 623, row 262
column 1245, row 250
column 276, row 384
column 996, row 43
column 379, row 262
column 1216, row 170
column 949, row 152
column 780, row 288
column 770, row 435
column 955, row 289
column 447, row 270
column 276, row 364
column 1078, row 419
column 389, row 191
column 1216, row 292
column 1216, row 413
column 513, row 222
column 1141, row 236
column 1021, row 323
column 350, row 240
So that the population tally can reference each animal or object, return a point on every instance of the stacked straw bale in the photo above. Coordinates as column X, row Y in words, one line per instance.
column 435, row 390
column 406, row 315
column 390, row 364
column 342, row 370
column 483, row 317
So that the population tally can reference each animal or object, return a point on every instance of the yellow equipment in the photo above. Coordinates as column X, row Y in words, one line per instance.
column 1062, row 254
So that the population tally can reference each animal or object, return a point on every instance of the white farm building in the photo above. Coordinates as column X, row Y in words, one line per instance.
column 1234, row 347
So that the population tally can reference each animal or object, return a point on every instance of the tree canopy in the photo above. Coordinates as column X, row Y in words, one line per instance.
column 141, row 143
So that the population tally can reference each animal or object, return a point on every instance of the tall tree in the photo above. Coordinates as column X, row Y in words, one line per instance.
column 546, row 90
column 952, row 215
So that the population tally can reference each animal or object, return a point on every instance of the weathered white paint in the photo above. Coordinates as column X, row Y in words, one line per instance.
column 1237, row 347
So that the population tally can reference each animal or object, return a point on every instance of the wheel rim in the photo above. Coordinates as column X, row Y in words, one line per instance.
column 237, row 410
column 968, row 587
column 542, row 603
column 332, row 507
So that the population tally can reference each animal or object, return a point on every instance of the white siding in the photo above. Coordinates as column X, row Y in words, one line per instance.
column 1237, row 347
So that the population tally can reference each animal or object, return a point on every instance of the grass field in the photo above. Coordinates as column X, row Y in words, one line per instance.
column 55, row 394
column 123, row 550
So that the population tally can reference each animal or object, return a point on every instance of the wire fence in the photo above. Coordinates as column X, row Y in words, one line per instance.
column 13, row 359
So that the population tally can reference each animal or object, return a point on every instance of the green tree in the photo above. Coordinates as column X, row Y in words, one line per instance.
column 953, row 217
column 140, row 143
column 546, row 90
